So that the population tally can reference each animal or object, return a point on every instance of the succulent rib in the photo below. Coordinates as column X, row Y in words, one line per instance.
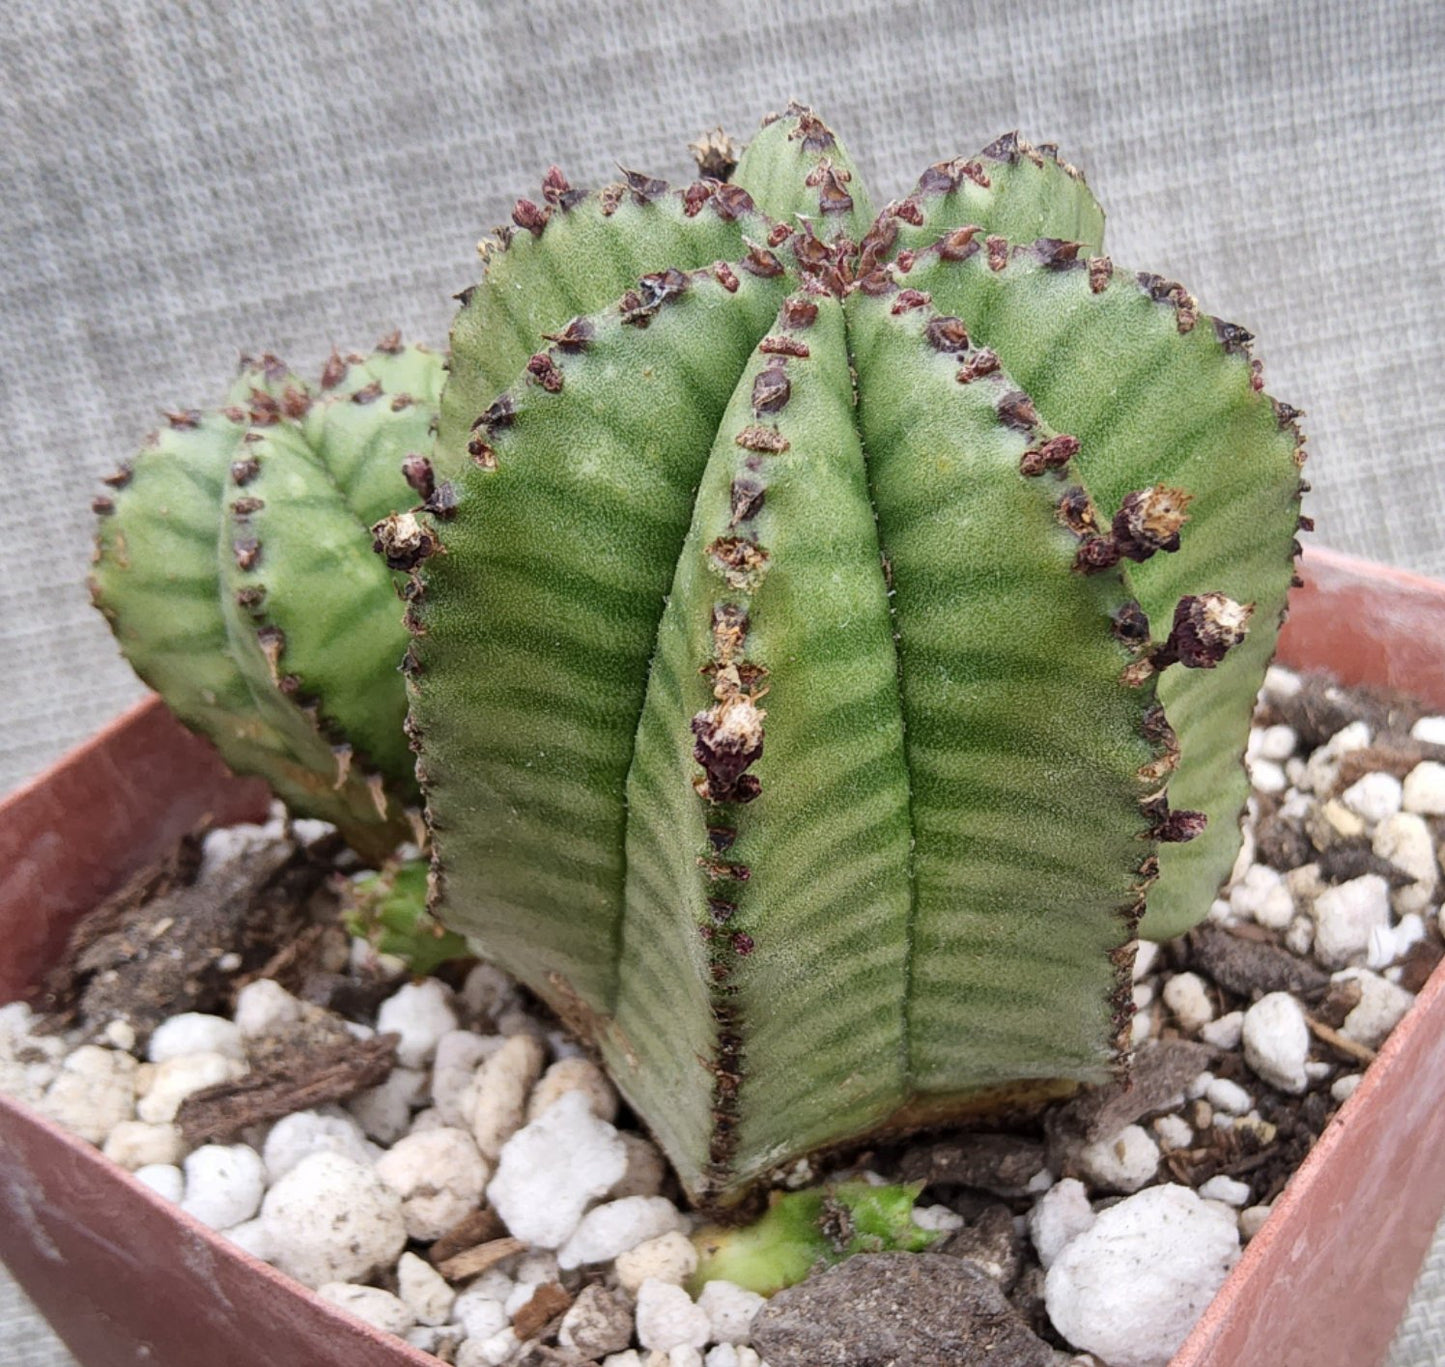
column 767, row 801
column 540, row 617
column 1157, row 394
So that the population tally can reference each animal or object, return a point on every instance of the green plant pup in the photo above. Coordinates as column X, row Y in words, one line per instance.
column 838, row 622
column 234, row 563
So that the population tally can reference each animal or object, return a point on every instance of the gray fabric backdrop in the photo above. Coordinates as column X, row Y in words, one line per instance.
column 181, row 180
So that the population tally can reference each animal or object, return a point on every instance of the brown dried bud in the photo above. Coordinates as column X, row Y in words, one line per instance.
column 724, row 275
column 946, row 333
column 771, row 390
column 1206, row 627
column 403, row 540
column 998, row 252
column 1149, row 520
column 543, row 370
column 731, row 202
column 767, row 440
column 417, row 471
column 746, row 498
column 799, row 313
column 1016, row 410
column 912, row 299
column 532, row 217
column 573, row 338
column 1053, row 454
column 716, row 154
column 784, row 346
column 982, row 362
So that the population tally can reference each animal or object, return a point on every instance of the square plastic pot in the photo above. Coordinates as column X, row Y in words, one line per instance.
column 126, row 1278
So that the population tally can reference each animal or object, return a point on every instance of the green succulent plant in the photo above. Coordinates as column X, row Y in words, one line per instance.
column 827, row 627
column 234, row 563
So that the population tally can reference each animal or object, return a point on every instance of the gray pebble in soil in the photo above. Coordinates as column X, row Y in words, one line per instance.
column 924, row 1309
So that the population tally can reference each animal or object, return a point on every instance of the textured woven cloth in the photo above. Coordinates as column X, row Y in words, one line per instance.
column 185, row 179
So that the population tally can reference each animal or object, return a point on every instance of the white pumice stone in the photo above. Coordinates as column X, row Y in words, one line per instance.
column 1374, row 797
column 1345, row 915
column 1141, row 1029
column 330, row 1219
column 1299, row 936
column 193, row 1032
column 629, row 1358
column 1317, row 1070
column 491, row 1352
column 1228, row 1097
column 1227, row 1189
column 1225, row 1032
column 1123, row 1162
column 1251, row 1220
column 228, row 843
column 1143, row 995
column 459, row 1054
column 536, row 1266
column 1343, row 1088
column 1276, row 909
column 370, row 1303
column 646, row 1169
column 135, row 1144
column 1409, row 931
column 1187, row 997
column 120, row 1034
column 1199, row 1086
column 613, row 1228
column 440, row 1340
column 264, row 1007
column 421, row 1013
column 550, row 1171
column 224, row 1184
column 1404, row 839
column 1174, row 1132
column 1424, row 789
column 667, row 1317
column 1280, row 684
column 302, row 1133
column 1146, row 955
column 518, row 1297
column 599, row 1321
column 384, row 1111
column 1277, row 1041
column 428, row 1119
column 1249, row 891
column 176, row 1078
column 1431, row 730
column 1060, row 1215
column 499, row 1098
column 250, row 1236
column 1265, row 776
column 1130, row 1287
column 1323, row 766
column 481, row 1315
column 684, row 1355
column 576, row 1074
column 439, row 1177
column 486, row 991
column 940, row 1218
column 1382, row 1006
column 724, row 1355
column 1276, row 742
column 424, row 1290
column 165, row 1179
column 667, row 1258
column 92, row 1092
column 730, row 1309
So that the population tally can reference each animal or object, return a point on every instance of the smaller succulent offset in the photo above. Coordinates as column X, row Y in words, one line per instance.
column 234, row 563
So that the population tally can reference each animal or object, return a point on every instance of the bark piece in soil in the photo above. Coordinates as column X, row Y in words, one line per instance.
column 1159, row 1073
column 1251, row 968
column 298, row 1082
column 480, row 1227
column 548, row 1301
column 925, row 1309
column 1000, row 1164
column 472, row 1262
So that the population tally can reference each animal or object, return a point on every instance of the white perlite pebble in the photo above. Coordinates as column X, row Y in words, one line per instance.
column 93, row 1092
column 377, row 1307
column 1123, row 1162
column 613, row 1228
column 421, row 1013
column 1424, row 790
column 251, row 1237
column 1251, row 1220
column 175, row 1079
column 1373, row 797
column 1277, row 1041
column 192, row 1032
column 1345, row 915
column 1060, row 1215
column 1227, row 1189
column 1431, row 730
column 1225, row 1032
column 667, row 1258
column 439, row 1177
column 332, row 1220
column 424, row 1290
column 1404, row 839
column 732, row 1355
column 667, row 1317
column 630, row 1358
column 499, row 1100
column 1146, row 954
column 487, row 991
column 134, row 1144
column 1174, row 1132
column 1186, row 995
column 1343, row 1088
column 1323, row 766
column 224, row 1184
column 1299, row 936
column 492, row 1352
column 1274, row 742
column 684, row 1355
column 1249, row 892
column 730, row 1309
column 574, row 1075
column 165, row 1179
column 1132, row 1285
column 459, row 1054
column 1381, row 1007
column 1228, row 1097
column 264, row 1007
column 551, row 1170
column 302, row 1133
column 384, row 1111
column 479, row 1313
column 1265, row 776
column 941, row 1219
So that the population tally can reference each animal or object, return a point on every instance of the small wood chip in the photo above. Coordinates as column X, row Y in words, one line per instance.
column 475, row 1261
column 548, row 1301
column 479, row 1227
column 1341, row 1044
column 300, row 1082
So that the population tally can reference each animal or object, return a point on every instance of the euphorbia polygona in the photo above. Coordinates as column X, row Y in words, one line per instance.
column 793, row 639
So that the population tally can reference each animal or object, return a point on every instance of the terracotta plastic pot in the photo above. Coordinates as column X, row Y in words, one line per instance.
column 126, row 1278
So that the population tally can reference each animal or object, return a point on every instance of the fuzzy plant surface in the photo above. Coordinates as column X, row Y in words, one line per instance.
column 234, row 563
column 838, row 623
